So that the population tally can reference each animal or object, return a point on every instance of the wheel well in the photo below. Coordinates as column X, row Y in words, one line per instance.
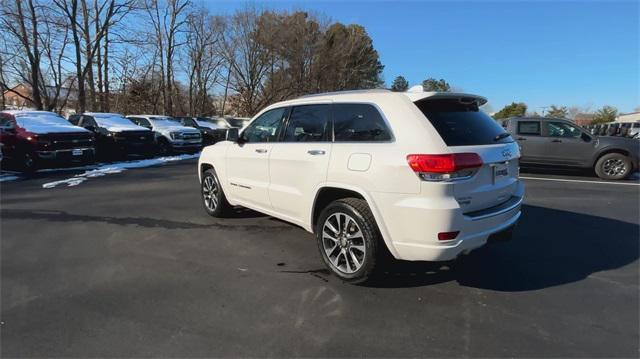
column 613, row 150
column 327, row 195
column 204, row 167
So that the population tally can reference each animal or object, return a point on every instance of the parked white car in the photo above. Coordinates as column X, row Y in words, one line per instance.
column 419, row 176
column 171, row 135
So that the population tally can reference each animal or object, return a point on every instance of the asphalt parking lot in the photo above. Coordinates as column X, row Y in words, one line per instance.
column 128, row 264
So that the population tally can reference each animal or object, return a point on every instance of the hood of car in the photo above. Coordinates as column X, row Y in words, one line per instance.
column 207, row 125
column 182, row 129
column 49, row 128
column 123, row 128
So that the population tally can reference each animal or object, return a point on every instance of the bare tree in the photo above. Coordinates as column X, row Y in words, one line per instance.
column 23, row 25
column 247, row 58
column 168, row 22
column 205, row 60
column 106, row 13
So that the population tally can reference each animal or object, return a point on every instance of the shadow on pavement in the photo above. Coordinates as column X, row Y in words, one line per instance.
column 550, row 247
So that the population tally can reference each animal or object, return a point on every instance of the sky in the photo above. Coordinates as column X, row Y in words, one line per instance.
column 571, row 53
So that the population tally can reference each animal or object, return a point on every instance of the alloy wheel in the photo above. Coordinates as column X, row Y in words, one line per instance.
column 614, row 167
column 210, row 193
column 343, row 243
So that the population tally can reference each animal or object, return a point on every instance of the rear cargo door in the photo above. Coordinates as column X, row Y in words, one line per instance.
column 466, row 129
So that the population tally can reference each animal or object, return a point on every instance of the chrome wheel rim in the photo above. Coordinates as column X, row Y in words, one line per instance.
column 210, row 193
column 343, row 243
column 614, row 167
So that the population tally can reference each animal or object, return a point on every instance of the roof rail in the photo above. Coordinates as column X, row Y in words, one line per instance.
column 346, row 92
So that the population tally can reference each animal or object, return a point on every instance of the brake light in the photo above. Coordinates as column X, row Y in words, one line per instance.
column 445, row 167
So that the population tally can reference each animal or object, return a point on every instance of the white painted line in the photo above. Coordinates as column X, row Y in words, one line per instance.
column 578, row 181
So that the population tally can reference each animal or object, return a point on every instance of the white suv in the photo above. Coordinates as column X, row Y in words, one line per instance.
column 171, row 135
column 419, row 176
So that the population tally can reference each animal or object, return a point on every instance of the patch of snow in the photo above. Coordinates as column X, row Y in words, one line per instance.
column 4, row 178
column 118, row 167
column 47, row 124
column 117, row 123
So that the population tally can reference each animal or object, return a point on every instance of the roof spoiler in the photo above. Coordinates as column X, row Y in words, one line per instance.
column 463, row 98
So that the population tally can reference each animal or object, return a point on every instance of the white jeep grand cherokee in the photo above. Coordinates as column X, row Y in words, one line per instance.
column 420, row 176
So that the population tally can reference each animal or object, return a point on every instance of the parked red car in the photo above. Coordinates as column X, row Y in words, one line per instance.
column 36, row 139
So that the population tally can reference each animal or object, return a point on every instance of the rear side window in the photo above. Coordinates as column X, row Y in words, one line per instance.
column 359, row 123
column 529, row 128
column 307, row 124
column 462, row 124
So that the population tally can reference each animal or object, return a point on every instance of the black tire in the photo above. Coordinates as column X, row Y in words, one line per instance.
column 613, row 166
column 28, row 163
column 372, row 241
column 164, row 147
column 215, row 204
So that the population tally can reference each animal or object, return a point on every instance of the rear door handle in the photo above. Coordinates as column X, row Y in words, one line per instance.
column 316, row 152
column 521, row 139
column 261, row 150
column 556, row 141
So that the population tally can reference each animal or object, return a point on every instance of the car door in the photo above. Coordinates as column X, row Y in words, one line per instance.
column 529, row 137
column 298, row 162
column 567, row 144
column 247, row 160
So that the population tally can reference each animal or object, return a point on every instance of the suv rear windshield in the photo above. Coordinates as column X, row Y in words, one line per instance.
column 462, row 124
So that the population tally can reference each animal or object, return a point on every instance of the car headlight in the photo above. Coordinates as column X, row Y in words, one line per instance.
column 176, row 135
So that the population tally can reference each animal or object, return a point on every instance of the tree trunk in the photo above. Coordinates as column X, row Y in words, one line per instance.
column 88, row 54
column 105, row 79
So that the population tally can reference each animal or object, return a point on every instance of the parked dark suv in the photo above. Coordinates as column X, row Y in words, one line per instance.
column 560, row 142
column 213, row 129
column 116, row 136
column 35, row 139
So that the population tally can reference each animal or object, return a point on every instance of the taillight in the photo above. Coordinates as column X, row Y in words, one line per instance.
column 447, row 167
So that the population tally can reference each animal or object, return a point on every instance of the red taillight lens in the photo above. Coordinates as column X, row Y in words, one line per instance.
column 447, row 236
column 444, row 163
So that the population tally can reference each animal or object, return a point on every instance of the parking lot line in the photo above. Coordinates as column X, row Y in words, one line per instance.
column 578, row 181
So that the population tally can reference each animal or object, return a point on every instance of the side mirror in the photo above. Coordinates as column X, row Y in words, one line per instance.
column 90, row 128
column 585, row 137
column 233, row 134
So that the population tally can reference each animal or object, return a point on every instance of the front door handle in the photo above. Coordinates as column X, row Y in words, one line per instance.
column 556, row 141
column 316, row 152
column 261, row 150
column 521, row 139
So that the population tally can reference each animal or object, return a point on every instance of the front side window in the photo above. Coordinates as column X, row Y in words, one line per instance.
column 307, row 124
column 360, row 123
column 266, row 127
column 562, row 129
column 529, row 128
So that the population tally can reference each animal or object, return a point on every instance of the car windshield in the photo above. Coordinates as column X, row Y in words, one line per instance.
column 42, row 120
column 207, row 122
column 164, row 122
column 112, row 121
column 462, row 124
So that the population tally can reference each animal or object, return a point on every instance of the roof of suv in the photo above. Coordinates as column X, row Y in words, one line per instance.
column 373, row 94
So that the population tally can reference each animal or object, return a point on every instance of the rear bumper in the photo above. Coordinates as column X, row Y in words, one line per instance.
column 413, row 224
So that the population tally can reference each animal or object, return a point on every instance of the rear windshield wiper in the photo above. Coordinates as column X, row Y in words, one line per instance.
column 501, row 136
